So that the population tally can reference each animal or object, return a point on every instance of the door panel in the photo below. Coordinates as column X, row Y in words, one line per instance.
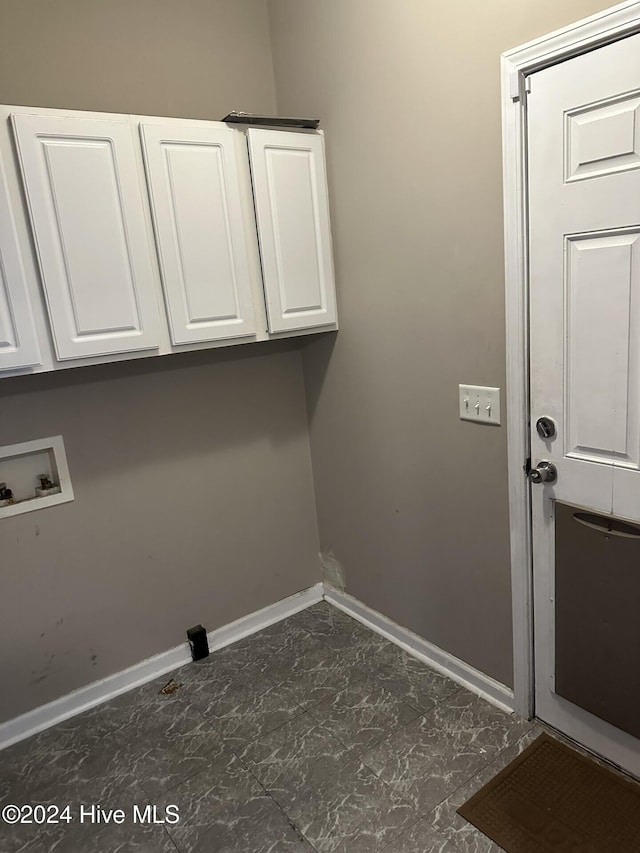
column 18, row 340
column 602, row 138
column 584, row 245
column 601, row 354
column 200, row 232
column 85, row 201
column 292, row 209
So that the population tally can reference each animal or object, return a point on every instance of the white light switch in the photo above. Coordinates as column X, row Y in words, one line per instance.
column 479, row 403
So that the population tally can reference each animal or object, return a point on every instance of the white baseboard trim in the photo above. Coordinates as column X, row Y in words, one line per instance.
column 108, row 688
column 457, row 670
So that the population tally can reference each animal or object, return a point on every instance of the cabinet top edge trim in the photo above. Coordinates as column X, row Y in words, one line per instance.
column 104, row 115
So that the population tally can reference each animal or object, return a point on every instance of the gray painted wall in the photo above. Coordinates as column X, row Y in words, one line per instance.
column 411, row 501
column 190, row 58
column 192, row 473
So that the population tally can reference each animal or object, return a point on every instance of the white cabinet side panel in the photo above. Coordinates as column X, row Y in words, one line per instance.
column 292, row 209
column 86, row 206
column 18, row 340
column 193, row 182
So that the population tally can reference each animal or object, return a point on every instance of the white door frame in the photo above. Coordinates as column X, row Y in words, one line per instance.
column 605, row 27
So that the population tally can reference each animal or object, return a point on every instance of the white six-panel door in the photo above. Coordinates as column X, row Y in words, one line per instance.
column 18, row 340
column 584, row 206
column 192, row 174
column 292, row 211
column 85, row 201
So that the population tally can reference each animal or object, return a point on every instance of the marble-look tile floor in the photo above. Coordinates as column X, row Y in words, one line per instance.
column 314, row 735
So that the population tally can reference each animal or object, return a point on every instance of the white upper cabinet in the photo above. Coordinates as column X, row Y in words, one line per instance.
column 192, row 174
column 84, row 194
column 292, row 211
column 18, row 340
column 242, row 249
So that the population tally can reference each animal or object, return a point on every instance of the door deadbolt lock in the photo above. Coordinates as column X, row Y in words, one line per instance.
column 544, row 472
column 545, row 427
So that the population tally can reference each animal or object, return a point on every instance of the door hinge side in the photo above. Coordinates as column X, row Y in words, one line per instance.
column 519, row 86
column 514, row 85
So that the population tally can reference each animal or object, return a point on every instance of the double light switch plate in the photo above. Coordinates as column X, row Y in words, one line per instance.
column 479, row 403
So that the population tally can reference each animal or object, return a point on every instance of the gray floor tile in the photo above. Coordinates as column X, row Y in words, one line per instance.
column 192, row 737
column 50, row 755
column 482, row 724
column 461, row 833
column 148, row 715
column 110, row 791
column 21, row 839
column 124, row 838
column 287, row 664
column 156, row 731
column 160, row 769
column 209, row 693
column 216, row 795
column 362, row 714
column 430, row 758
column 369, row 651
column 72, row 835
column 38, row 769
column 337, row 803
column 134, row 707
column 264, row 830
column 423, row 764
column 249, row 713
column 322, row 620
column 318, row 673
column 12, row 783
column 176, row 721
column 283, row 636
column 207, row 675
column 253, row 659
column 421, row 838
column 161, row 745
column 301, row 743
column 311, row 773
column 111, row 759
column 84, row 730
column 340, row 805
column 53, row 777
column 407, row 677
column 229, row 668
column 314, row 735
column 265, row 696
column 338, row 631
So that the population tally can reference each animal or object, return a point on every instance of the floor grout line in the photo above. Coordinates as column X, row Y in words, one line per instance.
column 290, row 820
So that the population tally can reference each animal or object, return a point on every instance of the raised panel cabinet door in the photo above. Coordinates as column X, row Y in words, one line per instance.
column 18, row 339
column 86, row 205
column 192, row 175
column 292, row 211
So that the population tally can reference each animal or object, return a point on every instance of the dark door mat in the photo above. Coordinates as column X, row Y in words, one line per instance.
column 551, row 799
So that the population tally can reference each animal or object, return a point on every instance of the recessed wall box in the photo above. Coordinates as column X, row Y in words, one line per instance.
column 34, row 475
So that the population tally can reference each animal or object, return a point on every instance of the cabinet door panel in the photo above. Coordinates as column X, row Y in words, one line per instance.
column 18, row 340
column 292, row 210
column 200, row 233
column 86, row 206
